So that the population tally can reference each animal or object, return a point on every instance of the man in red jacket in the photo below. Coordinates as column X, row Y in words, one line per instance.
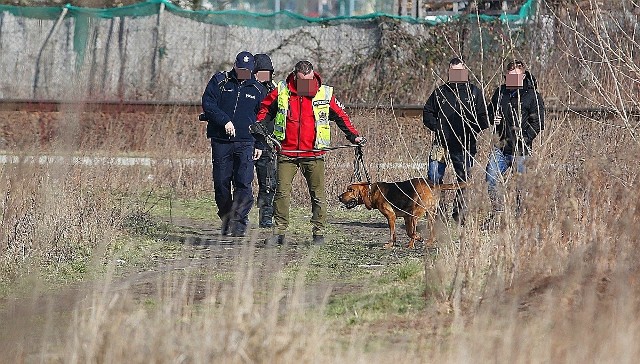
column 301, row 108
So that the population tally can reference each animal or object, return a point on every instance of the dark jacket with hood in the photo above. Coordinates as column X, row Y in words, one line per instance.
column 522, row 112
column 456, row 112
column 228, row 99
column 268, row 121
column 300, row 132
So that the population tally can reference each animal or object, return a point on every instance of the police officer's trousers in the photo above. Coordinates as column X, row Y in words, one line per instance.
column 232, row 177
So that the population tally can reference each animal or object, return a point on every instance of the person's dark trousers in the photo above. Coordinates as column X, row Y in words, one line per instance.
column 233, row 167
column 313, row 172
column 267, row 182
column 462, row 163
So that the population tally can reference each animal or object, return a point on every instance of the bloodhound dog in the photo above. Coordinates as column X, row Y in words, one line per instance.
column 409, row 199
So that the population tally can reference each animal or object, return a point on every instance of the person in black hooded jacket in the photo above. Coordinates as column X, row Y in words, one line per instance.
column 456, row 112
column 266, row 164
column 517, row 111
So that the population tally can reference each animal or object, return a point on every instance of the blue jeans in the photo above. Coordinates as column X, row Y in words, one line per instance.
column 233, row 167
column 497, row 165
column 462, row 163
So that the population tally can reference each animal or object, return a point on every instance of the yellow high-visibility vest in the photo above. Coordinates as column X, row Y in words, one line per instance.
column 321, row 104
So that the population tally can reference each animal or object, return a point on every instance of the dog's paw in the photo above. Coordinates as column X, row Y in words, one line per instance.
column 388, row 245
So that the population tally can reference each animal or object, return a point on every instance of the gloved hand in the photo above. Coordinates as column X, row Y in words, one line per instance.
column 361, row 140
column 230, row 129
column 258, row 128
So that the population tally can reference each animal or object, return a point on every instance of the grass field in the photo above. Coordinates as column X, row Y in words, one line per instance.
column 110, row 263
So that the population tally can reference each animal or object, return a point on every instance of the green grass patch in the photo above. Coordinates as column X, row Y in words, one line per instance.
column 143, row 252
column 167, row 206
column 399, row 291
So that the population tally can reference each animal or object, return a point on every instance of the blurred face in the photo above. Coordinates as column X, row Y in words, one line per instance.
column 458, row 73
column 263, row 76
column 306, row 85
column 243, row 73
column 514, row 78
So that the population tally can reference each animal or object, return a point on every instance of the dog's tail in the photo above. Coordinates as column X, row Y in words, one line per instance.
column 450, row 186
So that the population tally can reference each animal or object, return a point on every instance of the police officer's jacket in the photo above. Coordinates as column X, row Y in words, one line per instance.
column 228, row 99
column 522, row 112
column 456, row 112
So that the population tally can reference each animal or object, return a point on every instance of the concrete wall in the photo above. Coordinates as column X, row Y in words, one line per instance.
column 137, row 59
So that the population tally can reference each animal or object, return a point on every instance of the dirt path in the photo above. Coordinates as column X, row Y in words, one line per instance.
column 42, row 316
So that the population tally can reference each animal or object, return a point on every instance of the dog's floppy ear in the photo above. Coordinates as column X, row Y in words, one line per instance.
column 364, row 194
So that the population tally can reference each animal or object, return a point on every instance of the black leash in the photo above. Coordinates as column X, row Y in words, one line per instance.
column 319, row 150
column 274, row 148
column 358, row 166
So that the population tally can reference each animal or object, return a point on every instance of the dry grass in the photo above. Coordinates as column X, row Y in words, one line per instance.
column 558, row 283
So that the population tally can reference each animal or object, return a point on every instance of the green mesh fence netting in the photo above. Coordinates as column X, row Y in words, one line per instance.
column 279, row 20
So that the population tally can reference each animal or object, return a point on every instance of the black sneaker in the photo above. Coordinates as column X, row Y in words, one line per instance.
column 266, row 225
column 274, row 240
column 318, row 240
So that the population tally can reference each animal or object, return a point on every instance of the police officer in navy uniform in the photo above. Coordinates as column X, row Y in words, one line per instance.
column 230, row 103
column 266, row 164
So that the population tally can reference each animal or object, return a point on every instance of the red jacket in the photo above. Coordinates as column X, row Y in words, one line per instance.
column 300, row 132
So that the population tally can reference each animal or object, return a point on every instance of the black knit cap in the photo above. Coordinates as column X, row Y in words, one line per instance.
column 263, row 63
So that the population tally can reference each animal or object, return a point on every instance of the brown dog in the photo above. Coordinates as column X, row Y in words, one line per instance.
column 409, row 199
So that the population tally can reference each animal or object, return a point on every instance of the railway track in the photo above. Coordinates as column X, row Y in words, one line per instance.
column 194, row 108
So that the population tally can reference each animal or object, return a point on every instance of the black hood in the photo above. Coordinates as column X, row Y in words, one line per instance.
column 263, row 63
column 530, row 81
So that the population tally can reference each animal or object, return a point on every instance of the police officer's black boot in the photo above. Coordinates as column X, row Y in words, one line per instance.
column 225, row 229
